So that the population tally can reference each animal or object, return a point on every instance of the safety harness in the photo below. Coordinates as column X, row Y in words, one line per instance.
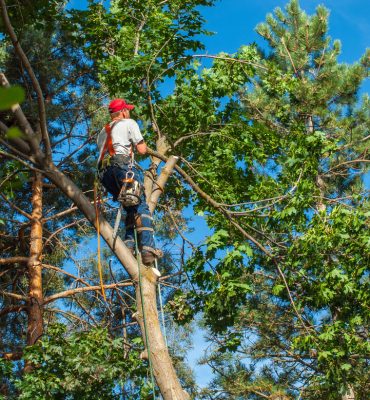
column 131, row 189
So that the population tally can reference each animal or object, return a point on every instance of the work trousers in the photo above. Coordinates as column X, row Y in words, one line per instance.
column 139, row 216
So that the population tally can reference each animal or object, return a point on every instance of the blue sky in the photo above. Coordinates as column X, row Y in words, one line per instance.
column 234, row 22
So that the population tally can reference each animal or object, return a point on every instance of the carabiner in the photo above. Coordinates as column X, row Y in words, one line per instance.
column 130, row 175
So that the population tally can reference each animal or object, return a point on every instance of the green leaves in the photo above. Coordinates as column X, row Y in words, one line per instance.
column 217, row 240
column 10, row 96
column 288, row 181
column 83, row 365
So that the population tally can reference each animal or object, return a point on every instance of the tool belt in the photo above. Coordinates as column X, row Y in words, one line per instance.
column 120, row 159
column 116, row 160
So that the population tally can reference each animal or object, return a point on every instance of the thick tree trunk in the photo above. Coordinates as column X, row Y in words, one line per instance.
column 164, row 372
column 34, row 268
column 160, row 359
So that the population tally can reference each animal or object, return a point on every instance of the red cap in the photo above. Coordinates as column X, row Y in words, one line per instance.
column 118, row 105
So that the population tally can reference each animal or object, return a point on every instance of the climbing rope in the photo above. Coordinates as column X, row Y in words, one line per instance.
column 97, row 223
column 143, row 312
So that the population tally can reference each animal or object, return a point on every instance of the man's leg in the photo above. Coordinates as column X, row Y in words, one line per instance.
column 144, row 224
column 112, row 180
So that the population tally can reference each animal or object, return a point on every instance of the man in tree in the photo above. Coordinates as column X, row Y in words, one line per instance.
column 116, row 143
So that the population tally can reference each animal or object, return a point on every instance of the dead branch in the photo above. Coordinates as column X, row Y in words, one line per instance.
column 14, row 260
column 25, row 62
column 71, row 292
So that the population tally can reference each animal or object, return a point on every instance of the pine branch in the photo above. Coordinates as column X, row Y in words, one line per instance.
column 14, row 260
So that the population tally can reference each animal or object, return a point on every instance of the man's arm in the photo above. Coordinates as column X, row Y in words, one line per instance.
column 136, row 137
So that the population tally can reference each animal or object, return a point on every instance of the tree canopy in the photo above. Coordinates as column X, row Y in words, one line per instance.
column 271, row 149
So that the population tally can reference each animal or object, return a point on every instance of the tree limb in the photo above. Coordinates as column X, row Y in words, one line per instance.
column 35, row 82
column 71, row 292
column 13, row 260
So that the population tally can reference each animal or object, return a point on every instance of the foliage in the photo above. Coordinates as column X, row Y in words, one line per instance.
column 82, row 365
column 136, row 46
column 10, row 96
column 293, row 248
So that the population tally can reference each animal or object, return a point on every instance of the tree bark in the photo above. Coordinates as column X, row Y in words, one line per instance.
column 158, row 185
column 320, row 183
column 163, row 370
column 34, row 268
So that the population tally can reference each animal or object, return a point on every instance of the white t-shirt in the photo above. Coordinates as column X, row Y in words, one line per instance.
column 124, row 133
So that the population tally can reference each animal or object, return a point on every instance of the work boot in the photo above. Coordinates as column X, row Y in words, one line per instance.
column 148, row 255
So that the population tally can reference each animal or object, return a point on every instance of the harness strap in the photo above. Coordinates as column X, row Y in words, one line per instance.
column 144, row 229
column 108, row 145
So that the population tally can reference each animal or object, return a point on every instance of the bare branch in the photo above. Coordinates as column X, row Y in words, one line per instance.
column 361, row 160
column 231, row 59
column 62, row 229
column 71, row 292
column 76, row 278
column 12, row 309
column 35, row 82
column 61, row 214
column 13, row 295
column 14, row 207
column 188, row 179
column 13, row 260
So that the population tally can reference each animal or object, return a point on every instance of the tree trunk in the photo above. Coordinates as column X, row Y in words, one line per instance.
column 34, row 268
column 164, row 372
column 163, row 369
column 320, row 183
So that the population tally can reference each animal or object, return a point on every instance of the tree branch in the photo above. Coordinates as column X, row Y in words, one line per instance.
column 159, row 184
column 35, row 83
column 22, row 121
column 12, row 309
column 231, row 59
column 71, row 292
column 13, row 260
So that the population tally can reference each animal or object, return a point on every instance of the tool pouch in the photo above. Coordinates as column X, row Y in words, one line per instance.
column 131, row 190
